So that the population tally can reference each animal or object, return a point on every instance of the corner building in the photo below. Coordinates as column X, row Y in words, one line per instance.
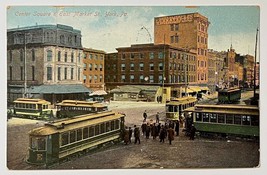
column 187, row 31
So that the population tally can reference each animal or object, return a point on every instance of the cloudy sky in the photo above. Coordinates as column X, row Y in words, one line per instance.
column 109, row 27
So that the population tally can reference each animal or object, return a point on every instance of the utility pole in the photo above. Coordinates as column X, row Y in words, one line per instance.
column 25, row 69
column 255, row 62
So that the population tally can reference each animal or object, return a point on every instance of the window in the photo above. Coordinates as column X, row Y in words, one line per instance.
column 160, row 55
column 65, row 139
column 117, row 124
column 151, row 66
column 96, row 57
column 123, row 67
column 85, row 66
column 237, row 119
column 254, row 120
column 90, row 67
column 141, row 55
column 176, row 39
column 21, row 55
column 176, row 26
column 95, row 77
column 62, row 39
column 132, row 55
column 49, row 55
column 160, row 78
column 101, row 67
column 123, row 78
column 72, row 136
column 96, row 129
column 131, row 78
column 205, row 117
column 72, row 57
column 172, row 39
column 91, row 56
column 71, row 73
column 198, row 116
column 66, row 56
column 141, row 66
column 112, row 125
column 10, row 72
column 160, row 66
column 151, row 55
column 91, row 131
column 49, row 73
column 132, row 66
column 108, row 127
column 33, row 73
column 100, row 78
column 79, row 134
column 59, row 56
column 213, row 118
column 141, row 78
column 246, row 120
column 33, row 55
column 59, row 73
column 85, row 133
column 96, row 66
column 65, row 73
column 10, row 55
column 79, row 70
column 172, row 27
column 90, row 78
column 84, row 79
column 151, row 78
column 79, row 57
column 123, row 56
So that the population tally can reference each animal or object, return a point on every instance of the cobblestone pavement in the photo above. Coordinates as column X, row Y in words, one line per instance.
column 150, row 154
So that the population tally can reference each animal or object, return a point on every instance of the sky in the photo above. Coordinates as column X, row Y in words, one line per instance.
column 109, row 27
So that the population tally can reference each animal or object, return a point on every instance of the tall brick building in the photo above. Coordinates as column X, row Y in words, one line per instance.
column 188, row 31
column 53, row 58
column 147, row 64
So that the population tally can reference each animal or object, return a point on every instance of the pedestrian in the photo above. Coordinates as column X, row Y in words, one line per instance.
column 130, row 134
column 177, row 127
column 145, row 115
column 158, row 99
column 136, row 134
column 126, row 136
column 162, row 134
column 147, row 130
column 158, row 128
column 170, row 135
column 143, row 127
column 154, row 131
column 157, row 117
column 192, row 132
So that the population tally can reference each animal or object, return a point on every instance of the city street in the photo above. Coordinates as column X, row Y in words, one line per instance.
column 183, row 153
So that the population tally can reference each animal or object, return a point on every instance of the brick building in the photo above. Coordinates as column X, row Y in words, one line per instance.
column 93, row 69
column 53, row 58
column 147, row 64
column 189, row 31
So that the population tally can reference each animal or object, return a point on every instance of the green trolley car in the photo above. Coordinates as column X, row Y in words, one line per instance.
column 229, row 95
column 32, row 109
column 64, row 138
column 70, row 108
column 175, row 107
column 225, row 120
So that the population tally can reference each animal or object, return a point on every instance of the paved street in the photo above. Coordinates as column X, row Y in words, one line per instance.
column 183, row 153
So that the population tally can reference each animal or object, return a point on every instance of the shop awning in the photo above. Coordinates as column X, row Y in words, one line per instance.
column 99, row 93
column 195, row 88
column 59, row 89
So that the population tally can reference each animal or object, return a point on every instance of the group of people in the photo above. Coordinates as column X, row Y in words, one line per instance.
column 127, row 135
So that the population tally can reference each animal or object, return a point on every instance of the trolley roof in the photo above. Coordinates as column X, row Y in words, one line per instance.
column 75, row 123
column 225, row 109
column 183, row 100
column 80, row 103
column 31, row 101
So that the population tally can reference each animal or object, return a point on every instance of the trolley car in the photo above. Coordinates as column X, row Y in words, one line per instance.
column 69, row 108
column 67, row 137
column 229, row 95
column 175, row 107
column 32, row 108
column 225, row 120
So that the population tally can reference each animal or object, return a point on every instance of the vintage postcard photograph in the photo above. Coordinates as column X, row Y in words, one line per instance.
column 132, row 87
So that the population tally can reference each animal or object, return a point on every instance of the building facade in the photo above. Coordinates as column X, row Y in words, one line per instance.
column 43, row 55
column 150, row 64
column 93, row 69
column 188, row 31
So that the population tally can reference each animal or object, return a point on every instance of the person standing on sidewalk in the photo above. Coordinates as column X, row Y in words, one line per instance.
column 177, row 127
column 136, row 135
column 130, row 134
column 145, row 116
column 170, row 135
column 157, row 117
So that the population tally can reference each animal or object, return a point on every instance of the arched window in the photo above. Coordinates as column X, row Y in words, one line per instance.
column 62, row 39
column 49, row 55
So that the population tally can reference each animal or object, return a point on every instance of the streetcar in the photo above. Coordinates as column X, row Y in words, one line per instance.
column 69, row 108
column 174, row 108
column 229, row 95
column 32, row 108
column 224, row 120
column 68, row 137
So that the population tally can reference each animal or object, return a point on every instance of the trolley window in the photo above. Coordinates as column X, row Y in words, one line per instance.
column 108, row 127
column 72, row 136
column 85, row 133
column 96, row 129
column 246, row 120
column 38, row 143
column 229, row 119
column 199, row 116
column 102, row 128
column 205, row 117
column 79, row 134
column 112, row 125
column 117, row 124
column 221, row 118
column 91, row 131
column 254, row 121
column 213, row 118
column 65, row 139
column 237, row 120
